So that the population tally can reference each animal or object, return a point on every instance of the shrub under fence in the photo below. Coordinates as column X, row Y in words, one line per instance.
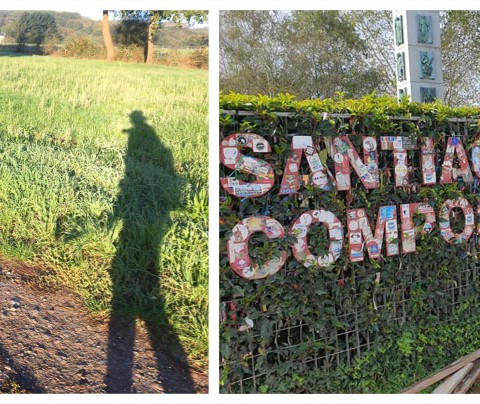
column 376, row 325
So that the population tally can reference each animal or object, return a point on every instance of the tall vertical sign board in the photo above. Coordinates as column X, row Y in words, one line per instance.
column 418, row 55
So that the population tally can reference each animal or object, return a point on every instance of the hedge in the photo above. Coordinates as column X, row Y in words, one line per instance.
column 351, row 327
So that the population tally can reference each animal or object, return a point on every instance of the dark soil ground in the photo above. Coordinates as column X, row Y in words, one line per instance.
column 50, row 344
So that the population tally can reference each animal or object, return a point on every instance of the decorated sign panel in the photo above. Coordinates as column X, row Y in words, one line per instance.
column 300, row 229
column 238, row 247
column 397, row 227
column 360, row 233
column 303, row 145
column 231, row 156
column 346, row 158
column 449, row 172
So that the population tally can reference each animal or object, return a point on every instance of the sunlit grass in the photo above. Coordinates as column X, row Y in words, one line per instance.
column 62, row 150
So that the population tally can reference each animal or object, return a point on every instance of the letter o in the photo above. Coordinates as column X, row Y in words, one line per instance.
column 445, row 229
column 238, row 255
column 300, row 229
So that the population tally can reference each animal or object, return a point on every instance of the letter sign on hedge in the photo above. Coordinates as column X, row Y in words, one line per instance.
column 291, row 175
column 450, row 173
column 346, row 156
column 409, row 231
column 360, row 233
column 231, row 157
column 429, row 175
column 446, row 211
column 237, row 246
column 300, row 230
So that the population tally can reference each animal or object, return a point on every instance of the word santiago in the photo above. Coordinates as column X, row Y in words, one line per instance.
column 346, row 158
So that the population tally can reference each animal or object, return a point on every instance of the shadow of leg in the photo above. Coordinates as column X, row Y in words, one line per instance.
column 22, row 376
column 121, row 339
column 173, row 368
column 149, row 190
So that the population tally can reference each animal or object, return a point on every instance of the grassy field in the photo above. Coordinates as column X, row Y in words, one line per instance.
column 103, row 184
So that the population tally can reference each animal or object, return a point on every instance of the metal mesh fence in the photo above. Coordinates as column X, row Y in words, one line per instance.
column 353, row 334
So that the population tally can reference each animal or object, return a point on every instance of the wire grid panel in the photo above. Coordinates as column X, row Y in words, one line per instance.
column 353, row 335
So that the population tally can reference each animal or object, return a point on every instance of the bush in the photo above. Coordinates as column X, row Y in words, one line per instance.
column 197, row 58
column 200, row 58
column 130, row 53
column 85, row 48
column 82, row 47
column 50, row 47
column 172, row 57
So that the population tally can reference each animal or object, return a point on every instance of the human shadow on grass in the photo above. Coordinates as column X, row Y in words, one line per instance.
column 149, row 190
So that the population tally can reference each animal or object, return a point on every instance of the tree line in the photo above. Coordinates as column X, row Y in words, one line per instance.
column 134, row 27
column 152, row 19
column 315, row 54
column 68, row 25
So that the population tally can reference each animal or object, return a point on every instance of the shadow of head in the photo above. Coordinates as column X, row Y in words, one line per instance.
column 139, row 123
column 137, row 118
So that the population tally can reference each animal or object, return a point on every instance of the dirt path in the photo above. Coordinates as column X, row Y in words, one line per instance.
column 49, row 344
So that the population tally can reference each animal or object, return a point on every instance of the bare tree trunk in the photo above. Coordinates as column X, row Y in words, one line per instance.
column 151, row 30
column 107, row 37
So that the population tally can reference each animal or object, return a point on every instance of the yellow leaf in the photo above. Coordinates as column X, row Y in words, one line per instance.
column 323, row 156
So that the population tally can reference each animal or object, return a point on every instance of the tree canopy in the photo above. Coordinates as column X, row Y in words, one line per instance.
column 35, row 27
column 131, row 30
column 137, row 20
column 72, row 25
column 314, row 54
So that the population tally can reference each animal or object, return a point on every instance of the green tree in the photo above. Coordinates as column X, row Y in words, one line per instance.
column 254, row 52
column 460, row 36
column 306, row 53
column 176, row 16
column 35, row 27
column 329, row 49
column 316, row 53
column 156, row 17
column 132, row 30
column 375, row 28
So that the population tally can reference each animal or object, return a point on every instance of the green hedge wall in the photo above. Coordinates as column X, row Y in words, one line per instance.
column 371, row 326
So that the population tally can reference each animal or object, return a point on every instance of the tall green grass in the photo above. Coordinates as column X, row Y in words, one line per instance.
column 63, row 142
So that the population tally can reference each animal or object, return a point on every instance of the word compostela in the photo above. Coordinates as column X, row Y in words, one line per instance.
column 359, row 230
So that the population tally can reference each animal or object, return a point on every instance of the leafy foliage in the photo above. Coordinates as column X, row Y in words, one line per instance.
column 460, row 50
column 131, row 31
column 73, row 26
column 151, row 20
column 372, row 326
column 313, row 54
column 376, row 110
column 12, row 387
column 35, row 27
